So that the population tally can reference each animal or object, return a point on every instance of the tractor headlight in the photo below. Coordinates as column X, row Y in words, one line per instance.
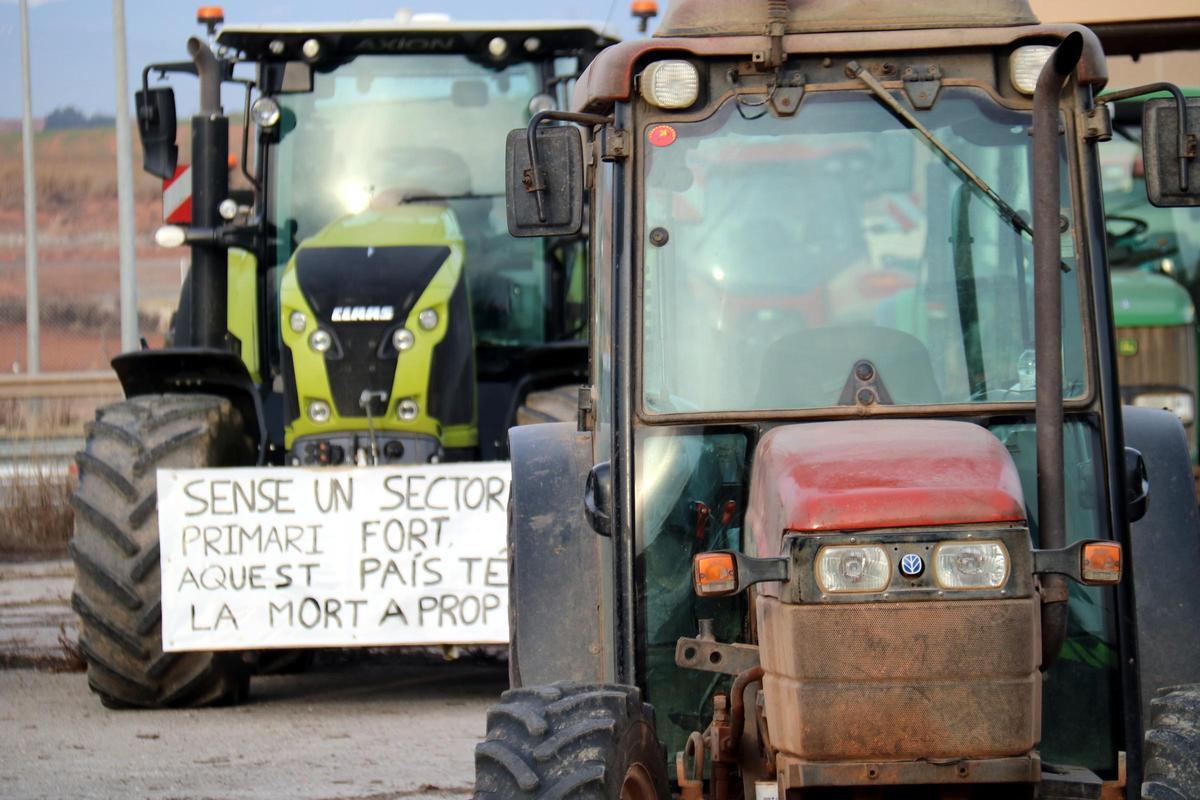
column 403, row 339
column 428, row 319
column 970, row 565
column 407, row 410
column 320, row 340
column 318, row 411
column 853, row 568
column 298, row 321
column 1025, row 65
column 670, row 84
column 1181, row 404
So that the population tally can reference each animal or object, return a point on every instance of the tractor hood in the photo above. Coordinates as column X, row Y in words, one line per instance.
column 869, row 474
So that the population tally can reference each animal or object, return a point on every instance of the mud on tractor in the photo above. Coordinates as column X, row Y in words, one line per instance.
column 849, row 503
column 362, row 305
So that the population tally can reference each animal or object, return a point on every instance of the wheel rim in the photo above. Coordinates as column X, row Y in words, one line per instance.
column 637, row 784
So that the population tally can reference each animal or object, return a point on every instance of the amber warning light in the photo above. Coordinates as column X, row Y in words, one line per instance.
column 1101, row 563
column 210, row 14
column 715, row 573
column 643, row 11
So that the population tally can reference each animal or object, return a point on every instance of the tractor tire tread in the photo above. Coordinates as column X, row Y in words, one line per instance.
column 1172, row 745
column 116, row 551
column 566, row 740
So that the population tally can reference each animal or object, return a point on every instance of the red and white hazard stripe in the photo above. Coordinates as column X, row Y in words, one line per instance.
column 177, row 197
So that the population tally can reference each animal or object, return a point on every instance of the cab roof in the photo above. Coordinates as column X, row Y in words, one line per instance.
column 418, row 35
column 722, row 18
column 829, row 28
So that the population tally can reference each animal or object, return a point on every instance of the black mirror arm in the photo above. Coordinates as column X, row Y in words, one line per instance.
column 1187, row 147
column 254, row 181
column 533, row 178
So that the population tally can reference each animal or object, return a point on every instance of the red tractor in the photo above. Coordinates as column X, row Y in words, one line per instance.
column 847, row 508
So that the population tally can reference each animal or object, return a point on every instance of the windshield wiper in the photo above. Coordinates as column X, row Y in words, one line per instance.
column 856, row 70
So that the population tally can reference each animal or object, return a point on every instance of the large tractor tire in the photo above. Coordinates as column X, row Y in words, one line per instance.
column 1172, row 752
column 586, row 741
column 116, row 550
column 560, row 404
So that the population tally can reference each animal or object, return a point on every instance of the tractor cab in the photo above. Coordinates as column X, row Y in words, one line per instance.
column 846, row 509
column 377, row 298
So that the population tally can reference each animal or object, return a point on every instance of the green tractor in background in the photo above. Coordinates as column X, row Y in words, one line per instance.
column 362, row 304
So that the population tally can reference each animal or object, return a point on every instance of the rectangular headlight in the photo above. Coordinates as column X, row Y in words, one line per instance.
column 853, row 568
column 1181, row 404
column 970, row 565
column 1025, row 65
column 670, row 84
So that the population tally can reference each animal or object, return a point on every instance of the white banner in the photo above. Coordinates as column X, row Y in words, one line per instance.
column 333, row 557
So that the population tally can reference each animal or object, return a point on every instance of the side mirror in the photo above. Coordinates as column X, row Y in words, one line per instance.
column 549, row 203
column 1170, row 156
column 597, row 498
column 1137, row 485
column 156, row 129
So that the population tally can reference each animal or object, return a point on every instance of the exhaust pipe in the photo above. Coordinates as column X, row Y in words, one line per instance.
column 208, row 317
column 1047, row 285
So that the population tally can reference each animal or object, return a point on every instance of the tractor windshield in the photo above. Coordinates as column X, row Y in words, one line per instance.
column 380, row 131
column 783, row 252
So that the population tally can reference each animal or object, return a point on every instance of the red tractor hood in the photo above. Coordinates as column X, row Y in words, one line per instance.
column 844, row 476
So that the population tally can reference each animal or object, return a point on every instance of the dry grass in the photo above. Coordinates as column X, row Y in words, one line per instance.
column 36, row 518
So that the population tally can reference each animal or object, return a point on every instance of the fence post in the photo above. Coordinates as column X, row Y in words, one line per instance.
column 129, row 315
column 32, row 320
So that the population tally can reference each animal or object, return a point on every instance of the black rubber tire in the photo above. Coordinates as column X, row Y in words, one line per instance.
column 568, row 740
column 559, row 404
column 116, row 553
column 1172, row 752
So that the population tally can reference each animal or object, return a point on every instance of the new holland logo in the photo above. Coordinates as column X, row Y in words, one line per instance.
column 363, row 314
column 912, row 565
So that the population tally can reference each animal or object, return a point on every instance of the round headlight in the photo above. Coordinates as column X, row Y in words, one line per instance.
column 265, row 112
column 407, row 410
column 318, row 411
column 970, row 565
column 403, row 339
column 671, row 84
column 428, row 319
column 320, row 340
column 498, row 47
column 311, row 48
column 298, row 321
column 228, row 208
column 853, row 568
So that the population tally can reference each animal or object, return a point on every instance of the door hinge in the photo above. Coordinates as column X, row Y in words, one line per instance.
column 584, row 416
column 922, row 84
column 1097, row 124
column 614, row 144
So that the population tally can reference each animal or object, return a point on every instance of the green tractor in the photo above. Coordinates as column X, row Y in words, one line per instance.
column 845, row 513
column 362, row 304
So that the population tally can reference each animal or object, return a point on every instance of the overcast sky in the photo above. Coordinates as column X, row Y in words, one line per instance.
column 71, row 40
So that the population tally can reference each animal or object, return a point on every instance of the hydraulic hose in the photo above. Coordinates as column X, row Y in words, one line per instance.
column 1047, row 284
